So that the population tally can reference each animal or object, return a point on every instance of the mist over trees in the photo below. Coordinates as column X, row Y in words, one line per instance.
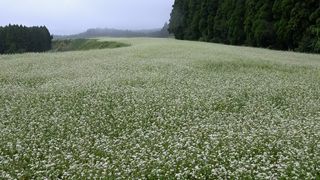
column 276, row 24
column 19, row 39
column 109, row 32
column 164, row 32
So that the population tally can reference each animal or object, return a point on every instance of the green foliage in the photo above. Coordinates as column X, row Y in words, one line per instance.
column 19, row 39
column 263, row 26
column 203, row 22
column 2, row 42
column 83, row 44
column 278, row 24
column 212, row 7
column 178, row 19
column 221, row 27
column 236, row 34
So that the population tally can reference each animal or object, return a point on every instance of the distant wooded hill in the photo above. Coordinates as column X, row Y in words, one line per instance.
column 277, row 24
column 99, row 32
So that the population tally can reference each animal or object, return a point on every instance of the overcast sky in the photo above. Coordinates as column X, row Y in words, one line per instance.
column 74, row 16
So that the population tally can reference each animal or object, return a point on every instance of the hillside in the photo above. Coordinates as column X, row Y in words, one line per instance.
column 110, row 32
column 160, row 108
column 83, row 44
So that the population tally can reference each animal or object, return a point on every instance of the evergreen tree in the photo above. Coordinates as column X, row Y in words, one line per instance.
column 236, row 34
column 307, row 35
column 178, row 19
column 203, row 22
column 262, row 28
column 18, row 39
column 212, row 11
column 278, row 24
column 221, row 27
column 281, row 13
column 192, row 21
column 2, row 40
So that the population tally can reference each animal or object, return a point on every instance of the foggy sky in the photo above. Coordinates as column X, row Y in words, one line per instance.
column 74, row 16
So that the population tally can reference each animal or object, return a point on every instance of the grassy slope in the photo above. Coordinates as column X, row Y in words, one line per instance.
column 160, row 108
column 83, row 44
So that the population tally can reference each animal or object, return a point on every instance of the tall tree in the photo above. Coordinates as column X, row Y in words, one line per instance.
column 18, row 39
column 178, row 19
column 305, row 17
column 212, row 7
column 2, row 40
column 263, row 24
column 203, row 22
column 278, row 24
column 221, row 27
column 236, row 34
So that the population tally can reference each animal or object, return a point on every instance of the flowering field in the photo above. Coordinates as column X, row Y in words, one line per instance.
column 160, row 108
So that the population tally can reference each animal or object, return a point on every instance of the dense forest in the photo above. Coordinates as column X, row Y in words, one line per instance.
column 276, row 24
column 19, row 39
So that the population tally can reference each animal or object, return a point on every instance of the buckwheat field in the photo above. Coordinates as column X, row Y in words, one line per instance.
column 160, row 109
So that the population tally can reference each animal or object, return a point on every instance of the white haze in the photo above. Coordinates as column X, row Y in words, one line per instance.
column 74, row 16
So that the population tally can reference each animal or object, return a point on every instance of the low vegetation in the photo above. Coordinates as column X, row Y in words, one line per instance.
column 160, row 108
column 83, row 44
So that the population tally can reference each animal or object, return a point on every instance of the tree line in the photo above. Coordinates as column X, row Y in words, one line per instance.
column 276, row 24
column 19, row 39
